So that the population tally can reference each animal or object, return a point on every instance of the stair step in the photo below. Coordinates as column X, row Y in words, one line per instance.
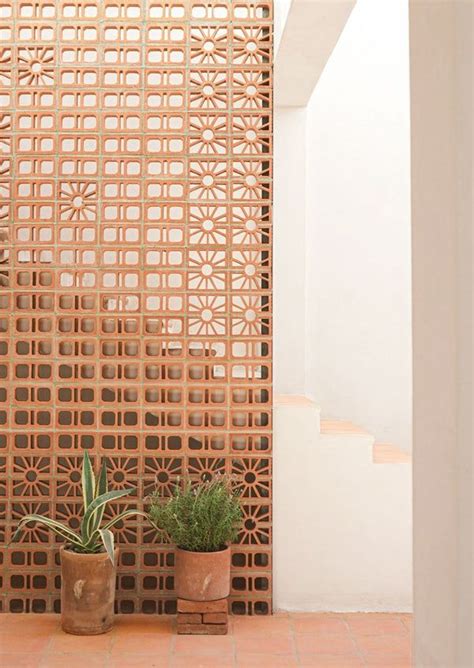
column 292, row 400
column 385, row 453
column 342, row 428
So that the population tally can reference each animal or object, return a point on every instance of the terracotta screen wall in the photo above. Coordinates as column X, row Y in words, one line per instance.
column 135, row 304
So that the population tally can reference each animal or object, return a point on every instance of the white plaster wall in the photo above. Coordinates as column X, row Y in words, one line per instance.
column 281, row 9
column 289, row 250
column 358, row 344
column 342, row 524
column 348, row 520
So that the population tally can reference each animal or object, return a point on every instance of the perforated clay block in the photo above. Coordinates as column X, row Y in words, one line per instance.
column 135, row 276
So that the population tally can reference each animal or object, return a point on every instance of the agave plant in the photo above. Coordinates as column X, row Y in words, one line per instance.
column 92, row 537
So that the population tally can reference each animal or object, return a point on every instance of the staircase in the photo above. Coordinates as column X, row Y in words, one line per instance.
column 342, row 514
column 382, row 453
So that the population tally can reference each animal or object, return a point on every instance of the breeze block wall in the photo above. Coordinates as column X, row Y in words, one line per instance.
column 135, row 275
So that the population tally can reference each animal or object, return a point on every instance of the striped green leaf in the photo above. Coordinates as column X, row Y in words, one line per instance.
column 101, row 488
column 59, row 529
column 108, row 542
column 122, row 516
column 98, row 502
column 88, row 481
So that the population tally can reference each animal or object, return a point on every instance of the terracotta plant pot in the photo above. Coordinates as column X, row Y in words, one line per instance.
column 87, row 592
column 202, row 576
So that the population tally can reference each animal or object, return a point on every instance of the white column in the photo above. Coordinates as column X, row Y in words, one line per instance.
column 441, row 55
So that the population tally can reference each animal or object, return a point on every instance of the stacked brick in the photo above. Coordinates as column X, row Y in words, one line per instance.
column 203, row 617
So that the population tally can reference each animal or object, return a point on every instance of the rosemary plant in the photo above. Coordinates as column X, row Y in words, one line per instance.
column 202, row 518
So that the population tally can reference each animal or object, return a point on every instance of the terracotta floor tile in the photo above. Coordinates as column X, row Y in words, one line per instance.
column 268, row 643
column 260, row 624
column 41, row 623
column 148, row 641
column 331, row 661
column 125, row 624
column 126, row 660
column 318, row 622
column 249, row 660
column 74, row 660
column 34, row 632
column 381, row 660
column 222, row 646
column 328, row 643
column 19, row 660
column 201, row 662
column 142, row 643
column 315, row 615
column 68, row 643
column 23, row 642
column 408, row 623
column 371, row 625
column 389, row 644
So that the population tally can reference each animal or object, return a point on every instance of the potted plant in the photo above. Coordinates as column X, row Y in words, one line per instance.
column 88, row 557
column 202, row 521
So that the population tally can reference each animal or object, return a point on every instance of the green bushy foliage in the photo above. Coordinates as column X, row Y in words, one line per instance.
column 203, row 518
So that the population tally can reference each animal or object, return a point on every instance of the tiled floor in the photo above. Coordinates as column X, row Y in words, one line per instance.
column 317, row 640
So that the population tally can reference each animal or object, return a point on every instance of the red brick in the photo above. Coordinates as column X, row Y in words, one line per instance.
column 215, row 618
column 202, row 607
column 189, row 618
column 203, row 629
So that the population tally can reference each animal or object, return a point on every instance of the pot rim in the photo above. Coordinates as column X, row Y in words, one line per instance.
column 66, row 548
column 182, row 549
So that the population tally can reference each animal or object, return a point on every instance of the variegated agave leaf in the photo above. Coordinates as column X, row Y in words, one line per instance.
column 88, row 481
column 108, row 542
column 87, row 526
column 58, row 528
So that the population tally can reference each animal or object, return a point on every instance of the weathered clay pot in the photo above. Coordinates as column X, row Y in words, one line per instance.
column 202, row 576
column 87, row 592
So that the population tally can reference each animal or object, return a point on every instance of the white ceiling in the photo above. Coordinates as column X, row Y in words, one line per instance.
column 311, row 32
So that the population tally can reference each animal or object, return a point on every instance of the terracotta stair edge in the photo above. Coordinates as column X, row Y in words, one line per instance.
column 382, row 453
column 341, row 428
column 386, row 453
